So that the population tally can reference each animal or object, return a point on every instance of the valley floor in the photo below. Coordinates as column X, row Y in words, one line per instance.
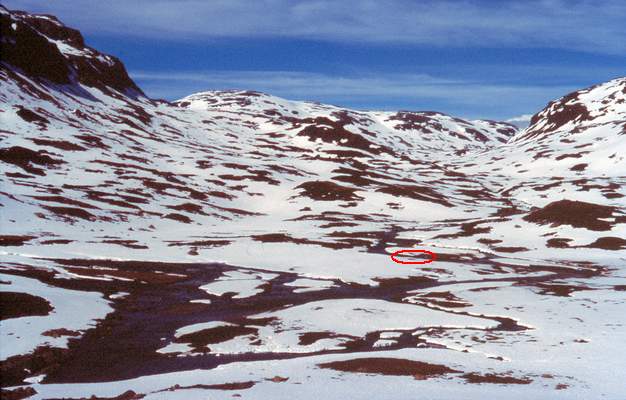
column 468, row 325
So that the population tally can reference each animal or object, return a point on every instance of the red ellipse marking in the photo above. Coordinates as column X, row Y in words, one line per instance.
column 433, row 256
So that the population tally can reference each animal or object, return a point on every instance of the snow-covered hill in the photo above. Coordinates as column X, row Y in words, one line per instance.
column 241, row 230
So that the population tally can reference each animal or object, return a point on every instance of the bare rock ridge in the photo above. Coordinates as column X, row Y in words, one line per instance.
column 602, row 103
column 44, row 48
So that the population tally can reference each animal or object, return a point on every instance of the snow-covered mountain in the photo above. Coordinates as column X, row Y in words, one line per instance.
column 155, row 241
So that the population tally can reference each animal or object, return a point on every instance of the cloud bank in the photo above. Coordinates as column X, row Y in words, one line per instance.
column 583, row 25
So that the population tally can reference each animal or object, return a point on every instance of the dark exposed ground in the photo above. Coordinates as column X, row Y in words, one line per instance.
column 123, row 345
column 15, row 305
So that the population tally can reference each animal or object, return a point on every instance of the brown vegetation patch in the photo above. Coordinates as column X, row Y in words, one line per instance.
column 355, row 178
column 16, row 368
column 25, row 158
column 389, row 366
column 308, row 338
column 178, row 217
column 558, row 243
column 200, row 339
column 276, row 238
column 92, row 141
column 128, row 395
column 17, row 394
column 561, row 290
column 507, row 212
column 510, row 249
column 329, row 131
column 612, row 195
column 443, row 299
column 31, row 116
column 55, row 241
column 578, row 214
column 346, row 153
column 467, row 229
column 327, row 191
column 489, row 241
column 236, row 211
column 201, row 243
column 338, row 225
column 71, row 212
column 561, row 386
column 149, row 277
column 187, row 207
column 416, row 192
column 259, row 176
column 56, row 333
column 16, row 305
column 219, row 386
column 493, row 378
column 476, row 194
column 571, row 155
column 579, row 167
column 608, row 243
column 277, row 379
column 14, row 240
column 131, row 244
column 64, row 200
column 346, row 243
column 18, row 175
column 103, row 197
column 219, row 194
column 59, row 144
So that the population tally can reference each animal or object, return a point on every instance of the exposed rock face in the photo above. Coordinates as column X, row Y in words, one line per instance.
column 603, row 103
column 45, row 49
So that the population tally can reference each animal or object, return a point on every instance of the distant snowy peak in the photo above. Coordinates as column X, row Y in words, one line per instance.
column 475, row 131
column 251, row 103
column 406, row 128
column 601, row 104
column 45, row 49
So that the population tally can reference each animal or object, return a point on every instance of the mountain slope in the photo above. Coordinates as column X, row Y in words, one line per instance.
column 234, row 229
column 213, row 157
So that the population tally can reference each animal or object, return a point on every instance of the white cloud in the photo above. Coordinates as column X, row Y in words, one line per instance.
column 525, row 118
column 567, row 24
column 521, row 121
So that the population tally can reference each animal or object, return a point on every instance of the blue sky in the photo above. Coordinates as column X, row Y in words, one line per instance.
column 477, row 59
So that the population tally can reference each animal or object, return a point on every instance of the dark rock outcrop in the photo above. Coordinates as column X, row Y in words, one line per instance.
column 45, row 49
